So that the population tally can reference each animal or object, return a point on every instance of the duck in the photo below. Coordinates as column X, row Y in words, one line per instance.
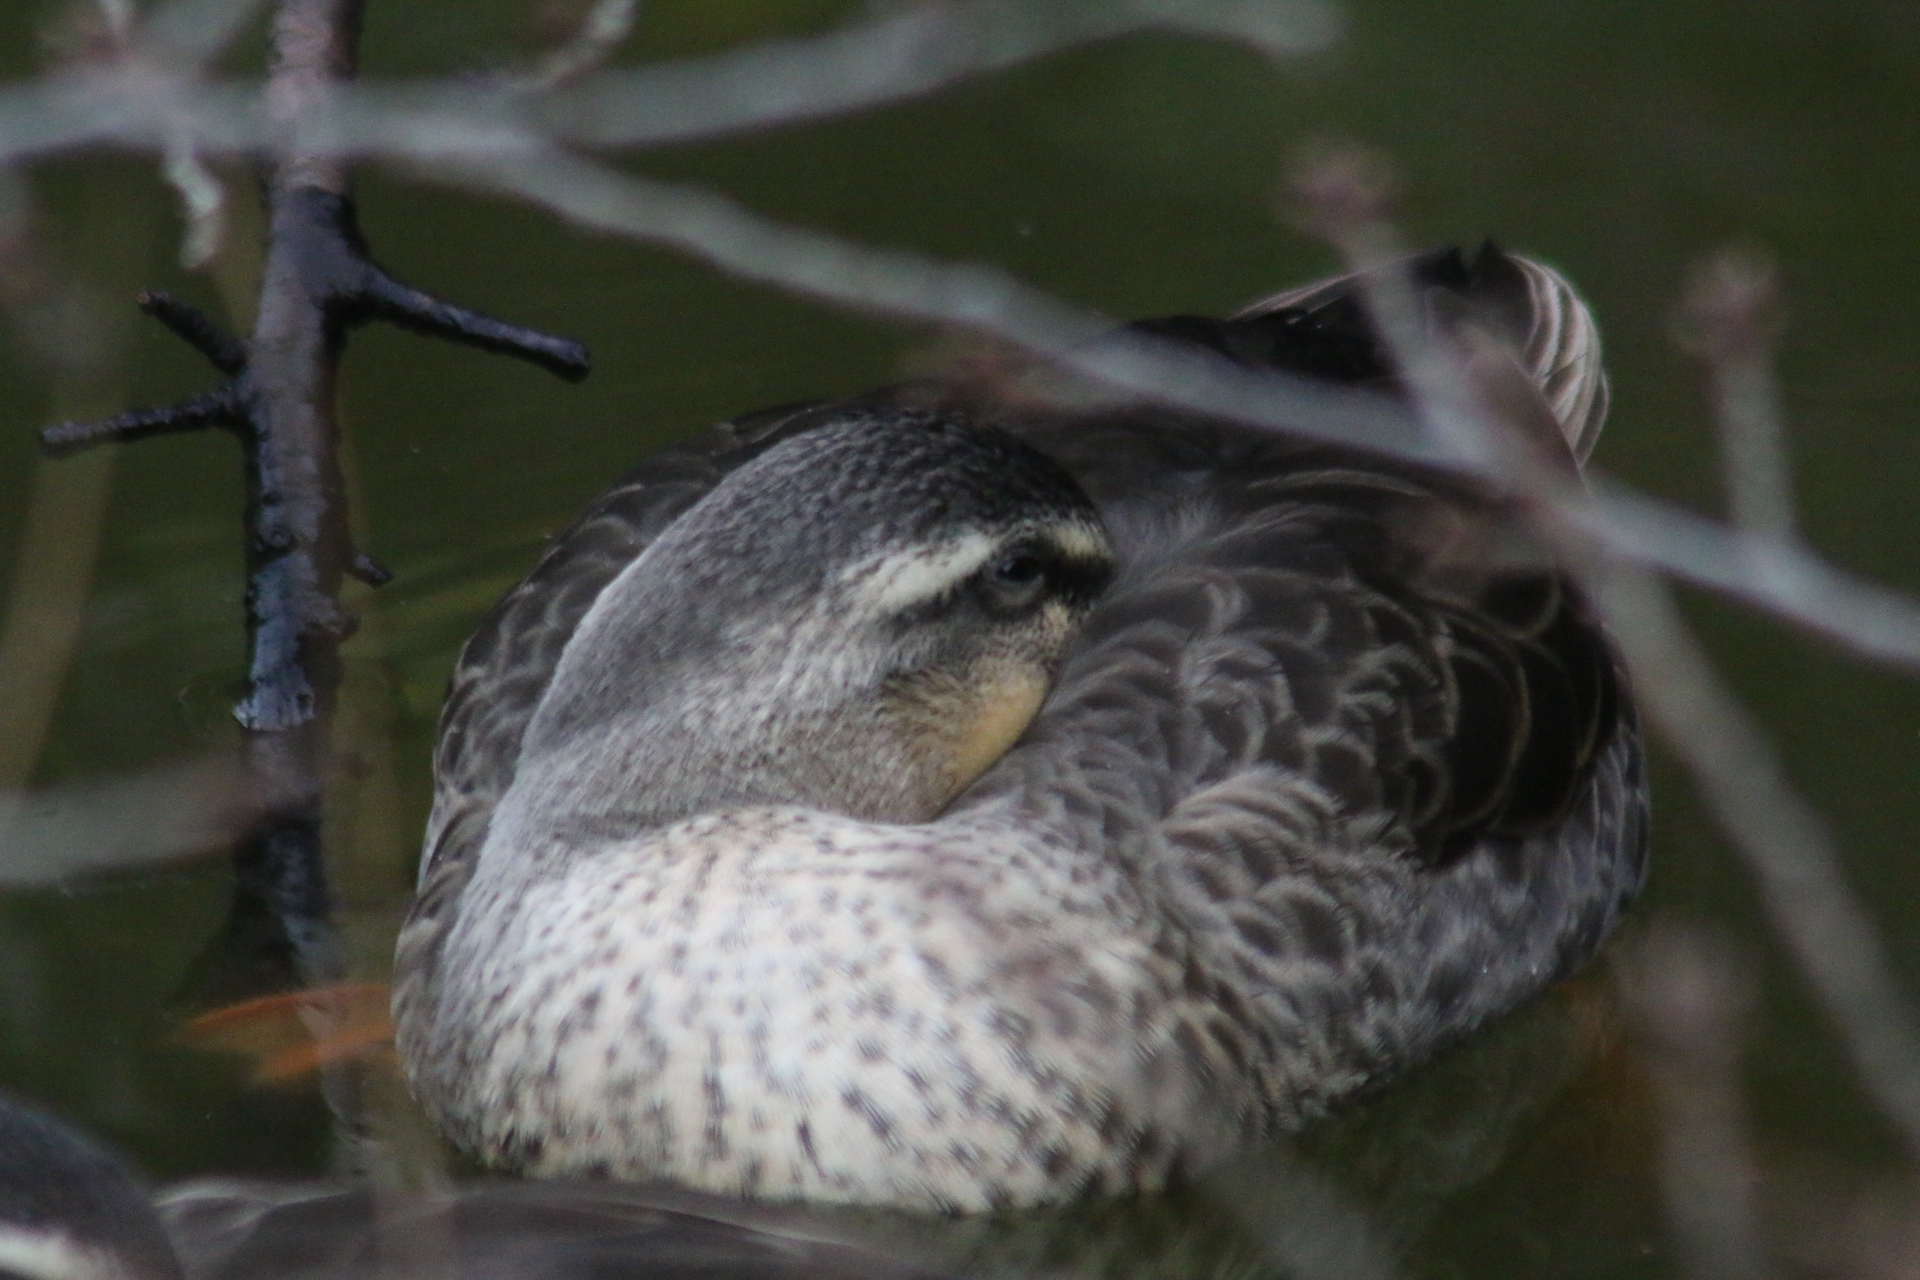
column 71, row 1209
column 955, row 799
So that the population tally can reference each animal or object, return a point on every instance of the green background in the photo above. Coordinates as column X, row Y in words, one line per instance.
column 1619, row 139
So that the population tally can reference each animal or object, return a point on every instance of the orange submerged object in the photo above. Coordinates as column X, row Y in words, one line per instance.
column 297, row 1033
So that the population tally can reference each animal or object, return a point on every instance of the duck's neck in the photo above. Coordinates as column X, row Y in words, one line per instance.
column 664, row 763
column 637, row 735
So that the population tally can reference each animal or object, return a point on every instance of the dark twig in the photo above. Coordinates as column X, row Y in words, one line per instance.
column 192, row 326
column 224, row 406
column 319, row 283
column 336, row 276
column 370, row 571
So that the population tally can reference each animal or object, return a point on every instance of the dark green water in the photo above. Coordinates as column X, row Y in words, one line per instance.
column 1619, row 139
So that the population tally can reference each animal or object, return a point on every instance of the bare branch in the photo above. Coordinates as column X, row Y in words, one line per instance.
column 225, row 406
column 893, row 58
column 904, row 284
column 1689, row 1006
column 1731, row 321
column 890, row 59
column 1345, row 191
column 194, row 31
column 1781, row 837
column 601, row 31
column 192, row 326
column 1783, row 840
column 1781, row 577
column 203, row 200
column 125, row 823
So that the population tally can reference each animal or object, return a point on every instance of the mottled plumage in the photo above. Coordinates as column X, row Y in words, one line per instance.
column 1336, row 768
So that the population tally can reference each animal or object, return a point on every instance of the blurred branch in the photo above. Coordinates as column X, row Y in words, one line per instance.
column 1782, row 839
column 1784, row 578
column 1781, row 577
column 203, row 200
column 601, row 31
column 127, row 823
column 1685, row 993
column 132, row 100
column 895, row 57
column 501, row 138
column 1730, row 319
column 980, row 298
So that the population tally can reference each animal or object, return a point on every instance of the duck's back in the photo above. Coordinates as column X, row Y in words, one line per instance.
column 1343, row 716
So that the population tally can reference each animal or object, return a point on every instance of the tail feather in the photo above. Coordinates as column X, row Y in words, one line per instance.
column 1527, row 304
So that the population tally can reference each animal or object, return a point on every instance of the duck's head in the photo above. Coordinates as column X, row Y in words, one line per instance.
column 861, row 620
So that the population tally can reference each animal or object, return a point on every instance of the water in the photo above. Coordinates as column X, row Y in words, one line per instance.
column 1618, row 139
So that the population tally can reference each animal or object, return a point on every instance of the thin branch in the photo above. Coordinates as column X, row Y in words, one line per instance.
column 891, row 59
column 224, row 406
column 1783, row 578
column 1780, row 836
column 1685, row 994
column 126, row 822
column 347, row 289
column 134, row 102
column 1731, row 320
column 487, row 130
column 203, row 200
column 1782, row 839
column 907, row 285
column 192, row 326
column 607, row 24
column 1345, row 191
column 278, row 395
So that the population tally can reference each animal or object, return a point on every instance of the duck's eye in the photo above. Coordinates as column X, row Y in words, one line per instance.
column 1015, row 580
